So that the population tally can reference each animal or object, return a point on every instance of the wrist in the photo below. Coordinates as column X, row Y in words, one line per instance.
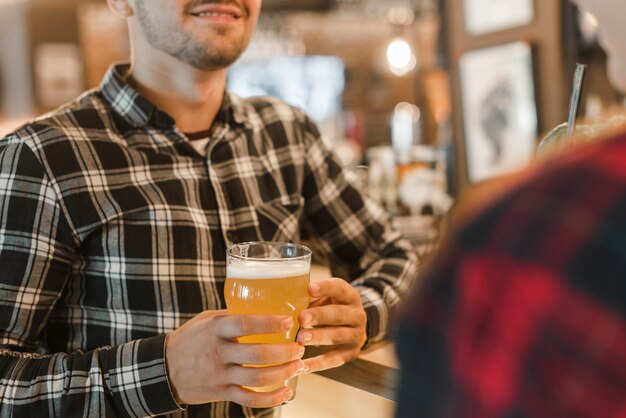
column 168, row 371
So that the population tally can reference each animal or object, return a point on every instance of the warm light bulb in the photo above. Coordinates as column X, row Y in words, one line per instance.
column 400, row 57
column 407, row 112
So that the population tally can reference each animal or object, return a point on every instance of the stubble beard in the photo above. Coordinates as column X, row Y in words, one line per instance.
column 179, row 43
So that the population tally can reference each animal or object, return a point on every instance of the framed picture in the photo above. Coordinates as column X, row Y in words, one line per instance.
column 479, row 64
column 487, row 16
column 499, row 109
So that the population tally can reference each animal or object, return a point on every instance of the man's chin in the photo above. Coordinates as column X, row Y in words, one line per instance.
column 204, row 62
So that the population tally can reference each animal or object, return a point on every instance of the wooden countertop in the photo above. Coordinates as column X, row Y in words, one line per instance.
column 365, row 373
column 320, row 397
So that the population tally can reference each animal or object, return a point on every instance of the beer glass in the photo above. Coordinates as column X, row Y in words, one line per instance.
column 268, row 278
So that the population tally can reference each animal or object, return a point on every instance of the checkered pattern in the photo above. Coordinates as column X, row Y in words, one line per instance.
column 524, row 313
column 113, row 231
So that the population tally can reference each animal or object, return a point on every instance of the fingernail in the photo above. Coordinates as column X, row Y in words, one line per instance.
column 289, row 396
column 287, row 323
column 307, row 318
column 300, row 351
column 301, row 367
column 307, row 368
column 314, row 289
column 306, row 337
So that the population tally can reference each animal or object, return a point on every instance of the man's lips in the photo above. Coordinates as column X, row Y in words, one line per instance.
column 216, row 11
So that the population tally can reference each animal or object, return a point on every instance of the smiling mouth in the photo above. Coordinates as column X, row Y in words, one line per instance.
column 216, row 11
column 215, row 14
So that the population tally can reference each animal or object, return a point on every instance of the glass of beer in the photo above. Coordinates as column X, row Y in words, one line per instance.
column 268, row 278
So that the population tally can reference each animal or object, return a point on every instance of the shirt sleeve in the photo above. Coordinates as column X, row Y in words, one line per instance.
column 355, row 234
column 37, row 245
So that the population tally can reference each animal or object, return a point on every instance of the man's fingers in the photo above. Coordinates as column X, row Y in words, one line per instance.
column 338, row 290
column 349, row 315
column 331, row 336
column 334, row 358
column 233, row 326
column 263, row 376
column 253, row 399
column 263, row 353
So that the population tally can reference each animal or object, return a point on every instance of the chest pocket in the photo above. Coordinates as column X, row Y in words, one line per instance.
column 279, row 220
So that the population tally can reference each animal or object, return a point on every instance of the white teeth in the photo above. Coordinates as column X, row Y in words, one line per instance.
column 214, row 14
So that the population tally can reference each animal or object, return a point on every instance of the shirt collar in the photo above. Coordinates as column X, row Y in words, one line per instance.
column 139, row 112
column 237, row 109
column 124, row 99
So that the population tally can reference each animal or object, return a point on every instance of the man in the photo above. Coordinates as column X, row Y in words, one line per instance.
column 116, row 211
column 524, row 312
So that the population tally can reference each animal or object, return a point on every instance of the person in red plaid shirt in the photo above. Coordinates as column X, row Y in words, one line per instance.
column 523, row 313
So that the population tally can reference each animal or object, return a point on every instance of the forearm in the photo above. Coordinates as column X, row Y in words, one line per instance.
column 356, row 236
column 127, row 380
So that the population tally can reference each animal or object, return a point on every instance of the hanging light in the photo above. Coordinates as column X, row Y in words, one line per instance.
column 400, row 57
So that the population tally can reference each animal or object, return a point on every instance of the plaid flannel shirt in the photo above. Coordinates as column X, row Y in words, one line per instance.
column 524, row 312
column 113, row 230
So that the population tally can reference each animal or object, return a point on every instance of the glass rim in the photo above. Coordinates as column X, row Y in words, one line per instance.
column 309, row 252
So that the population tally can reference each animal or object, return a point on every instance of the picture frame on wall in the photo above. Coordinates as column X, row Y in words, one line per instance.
column 488, row 16
column 540, row 60
column 500, row 110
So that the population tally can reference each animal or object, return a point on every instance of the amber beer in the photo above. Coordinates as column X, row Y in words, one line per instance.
column 268, row 278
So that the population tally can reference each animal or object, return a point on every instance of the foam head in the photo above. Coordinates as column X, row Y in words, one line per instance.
column 252, row 269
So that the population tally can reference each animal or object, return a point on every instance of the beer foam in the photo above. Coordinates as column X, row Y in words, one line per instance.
column 267, row 269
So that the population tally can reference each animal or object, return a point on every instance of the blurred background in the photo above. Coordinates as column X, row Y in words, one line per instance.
column 421, row 98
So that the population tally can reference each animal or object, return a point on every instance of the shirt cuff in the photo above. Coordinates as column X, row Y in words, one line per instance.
column 138, row 379
column 377, row 312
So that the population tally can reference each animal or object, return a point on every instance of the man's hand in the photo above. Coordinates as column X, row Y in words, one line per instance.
column 204, row 361
column 335, row 319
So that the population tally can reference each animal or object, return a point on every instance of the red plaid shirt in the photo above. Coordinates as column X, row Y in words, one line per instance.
column 523, row 314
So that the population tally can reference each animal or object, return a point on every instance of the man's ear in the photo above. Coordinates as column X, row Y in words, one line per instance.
column 121, row 7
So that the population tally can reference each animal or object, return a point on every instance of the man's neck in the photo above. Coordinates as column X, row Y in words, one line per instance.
column 190, row 96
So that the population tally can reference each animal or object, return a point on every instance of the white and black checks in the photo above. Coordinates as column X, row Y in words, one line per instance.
column 113, row 232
